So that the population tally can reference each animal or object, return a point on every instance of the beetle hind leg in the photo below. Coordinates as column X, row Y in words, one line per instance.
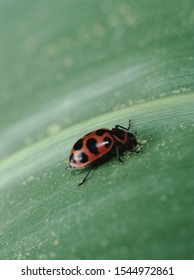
column 87, row 174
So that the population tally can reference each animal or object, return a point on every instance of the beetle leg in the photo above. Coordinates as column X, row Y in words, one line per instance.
column 118, row 154
column 122, row 127
column 87, row 174
column 68, row 167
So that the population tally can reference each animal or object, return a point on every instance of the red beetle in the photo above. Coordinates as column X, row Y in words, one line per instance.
column 101, row 143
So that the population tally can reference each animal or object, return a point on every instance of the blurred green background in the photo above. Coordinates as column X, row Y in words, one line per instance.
column 69, row 67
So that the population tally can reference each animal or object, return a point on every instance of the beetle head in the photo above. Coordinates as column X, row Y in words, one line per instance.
column 132, row 142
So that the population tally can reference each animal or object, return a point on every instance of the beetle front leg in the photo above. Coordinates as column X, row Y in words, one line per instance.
column 122, row 127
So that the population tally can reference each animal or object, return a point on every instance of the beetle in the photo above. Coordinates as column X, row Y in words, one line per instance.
column 101, row 143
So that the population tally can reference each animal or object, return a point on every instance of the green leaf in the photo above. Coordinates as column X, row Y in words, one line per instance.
column 70, row 67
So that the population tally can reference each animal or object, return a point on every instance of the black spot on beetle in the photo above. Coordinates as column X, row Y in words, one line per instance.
column 107, row 142
column 78, row 145
column 91, row 144
column 100, row 132
column 72, row 158
column 83, row 157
